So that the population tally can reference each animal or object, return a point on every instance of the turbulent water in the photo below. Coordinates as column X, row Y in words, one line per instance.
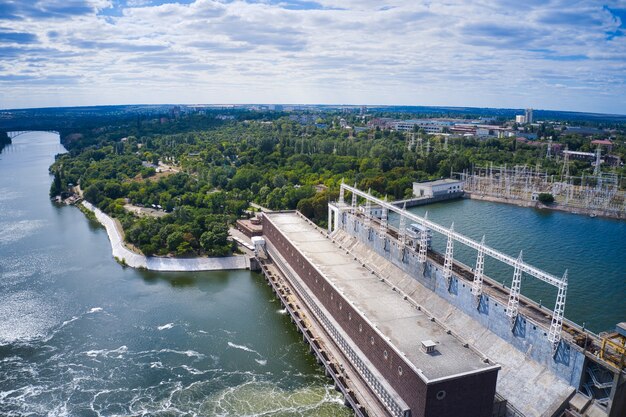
column 82, row 336
column 592, row 249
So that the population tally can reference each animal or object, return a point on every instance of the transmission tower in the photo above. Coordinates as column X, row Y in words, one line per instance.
column 596, row 169
column 565, row 169
column 410, row 140
column 549, row 150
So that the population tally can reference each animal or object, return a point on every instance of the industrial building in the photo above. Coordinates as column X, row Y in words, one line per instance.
column 437, row 188
column 406, row 331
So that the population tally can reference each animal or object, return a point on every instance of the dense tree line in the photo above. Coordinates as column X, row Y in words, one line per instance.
column 259, row 157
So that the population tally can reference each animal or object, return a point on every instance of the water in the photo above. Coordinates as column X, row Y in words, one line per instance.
column 592, row 249
column 82, row 336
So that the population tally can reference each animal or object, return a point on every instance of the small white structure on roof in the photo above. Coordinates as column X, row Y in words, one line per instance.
column 437, row 188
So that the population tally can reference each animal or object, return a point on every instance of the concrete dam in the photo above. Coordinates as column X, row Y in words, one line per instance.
column 405, row 331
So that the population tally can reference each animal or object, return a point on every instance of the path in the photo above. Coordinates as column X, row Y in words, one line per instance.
column 135, row 260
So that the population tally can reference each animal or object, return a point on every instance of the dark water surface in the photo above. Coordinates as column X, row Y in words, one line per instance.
column 81, row 336
column 592, row 249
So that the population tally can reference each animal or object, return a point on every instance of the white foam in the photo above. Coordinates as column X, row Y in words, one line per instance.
column 282, row 311
column 261, row 360
column 188, row 353
column 95, row 310
column 66, row 322
column 104, row 352
column 166, row 326
column 242, row 347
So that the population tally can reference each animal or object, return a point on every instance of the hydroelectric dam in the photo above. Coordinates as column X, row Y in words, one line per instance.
column 406, row 331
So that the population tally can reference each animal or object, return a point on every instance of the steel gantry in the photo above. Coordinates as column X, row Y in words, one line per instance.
column 447, row 263
column 477, row 283
column 513, row 306
column 519, row 265
column 383, row 217
column 402, row 228
column 554, row 336
column 421, row 256
column 368, row 213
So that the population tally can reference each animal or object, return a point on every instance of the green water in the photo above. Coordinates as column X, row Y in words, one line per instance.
column 592, row 249
column 82, row 336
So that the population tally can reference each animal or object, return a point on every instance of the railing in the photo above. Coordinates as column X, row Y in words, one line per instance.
column 529, row 269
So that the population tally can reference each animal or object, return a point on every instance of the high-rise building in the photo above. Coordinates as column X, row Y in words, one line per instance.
column 519, row 119
column 529, row 115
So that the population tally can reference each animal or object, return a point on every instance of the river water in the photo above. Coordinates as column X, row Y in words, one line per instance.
column 82, row 336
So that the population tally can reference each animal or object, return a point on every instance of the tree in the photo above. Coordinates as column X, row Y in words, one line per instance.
column 174, row 240
column 545, row 198
column 56, row 187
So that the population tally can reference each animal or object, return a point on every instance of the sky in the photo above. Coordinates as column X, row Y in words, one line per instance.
column 545, row 54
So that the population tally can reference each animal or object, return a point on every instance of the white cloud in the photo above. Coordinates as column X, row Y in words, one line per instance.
column 499, row 54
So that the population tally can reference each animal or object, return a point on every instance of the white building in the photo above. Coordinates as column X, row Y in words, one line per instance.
column 521, row 119
column 529, row 116
column 437, row 188
column 428, row 126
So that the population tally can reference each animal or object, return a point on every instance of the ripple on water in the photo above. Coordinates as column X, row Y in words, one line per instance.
column 11, row 232
column 26, row 316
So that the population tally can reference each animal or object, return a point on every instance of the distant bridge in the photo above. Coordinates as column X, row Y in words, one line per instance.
column 21, row 132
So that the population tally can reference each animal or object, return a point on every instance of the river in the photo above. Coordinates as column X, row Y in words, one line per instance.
column 82, row 336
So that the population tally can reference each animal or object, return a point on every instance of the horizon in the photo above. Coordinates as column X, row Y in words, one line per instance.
column 338, row 105
column 503, row 55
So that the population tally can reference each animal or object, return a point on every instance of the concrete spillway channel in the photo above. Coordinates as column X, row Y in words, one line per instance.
column 356, row 394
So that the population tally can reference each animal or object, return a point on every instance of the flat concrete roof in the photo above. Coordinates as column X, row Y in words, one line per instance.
column 399, row 321
column 438, row 182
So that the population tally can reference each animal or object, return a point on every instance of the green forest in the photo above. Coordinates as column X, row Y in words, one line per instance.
column 221, row 164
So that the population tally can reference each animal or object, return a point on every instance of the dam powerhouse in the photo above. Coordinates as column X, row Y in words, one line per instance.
column 405, row 331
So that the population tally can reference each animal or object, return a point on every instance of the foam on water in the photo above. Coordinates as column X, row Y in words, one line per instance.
column 106, row 352
column 166, row 326
column 242, row 347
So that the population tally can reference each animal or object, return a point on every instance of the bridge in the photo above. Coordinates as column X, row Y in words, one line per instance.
column 406, row 331
column 15, row 134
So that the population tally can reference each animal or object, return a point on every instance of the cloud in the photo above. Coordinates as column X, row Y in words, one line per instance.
column 542, row 54
column 119, row 46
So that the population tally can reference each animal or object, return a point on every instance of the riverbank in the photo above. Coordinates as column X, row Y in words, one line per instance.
column 557, row 207
column 127, row 257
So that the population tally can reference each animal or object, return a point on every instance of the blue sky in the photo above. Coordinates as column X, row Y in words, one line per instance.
column 568, row 55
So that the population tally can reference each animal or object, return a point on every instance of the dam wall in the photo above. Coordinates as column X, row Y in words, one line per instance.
column 527, row 336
